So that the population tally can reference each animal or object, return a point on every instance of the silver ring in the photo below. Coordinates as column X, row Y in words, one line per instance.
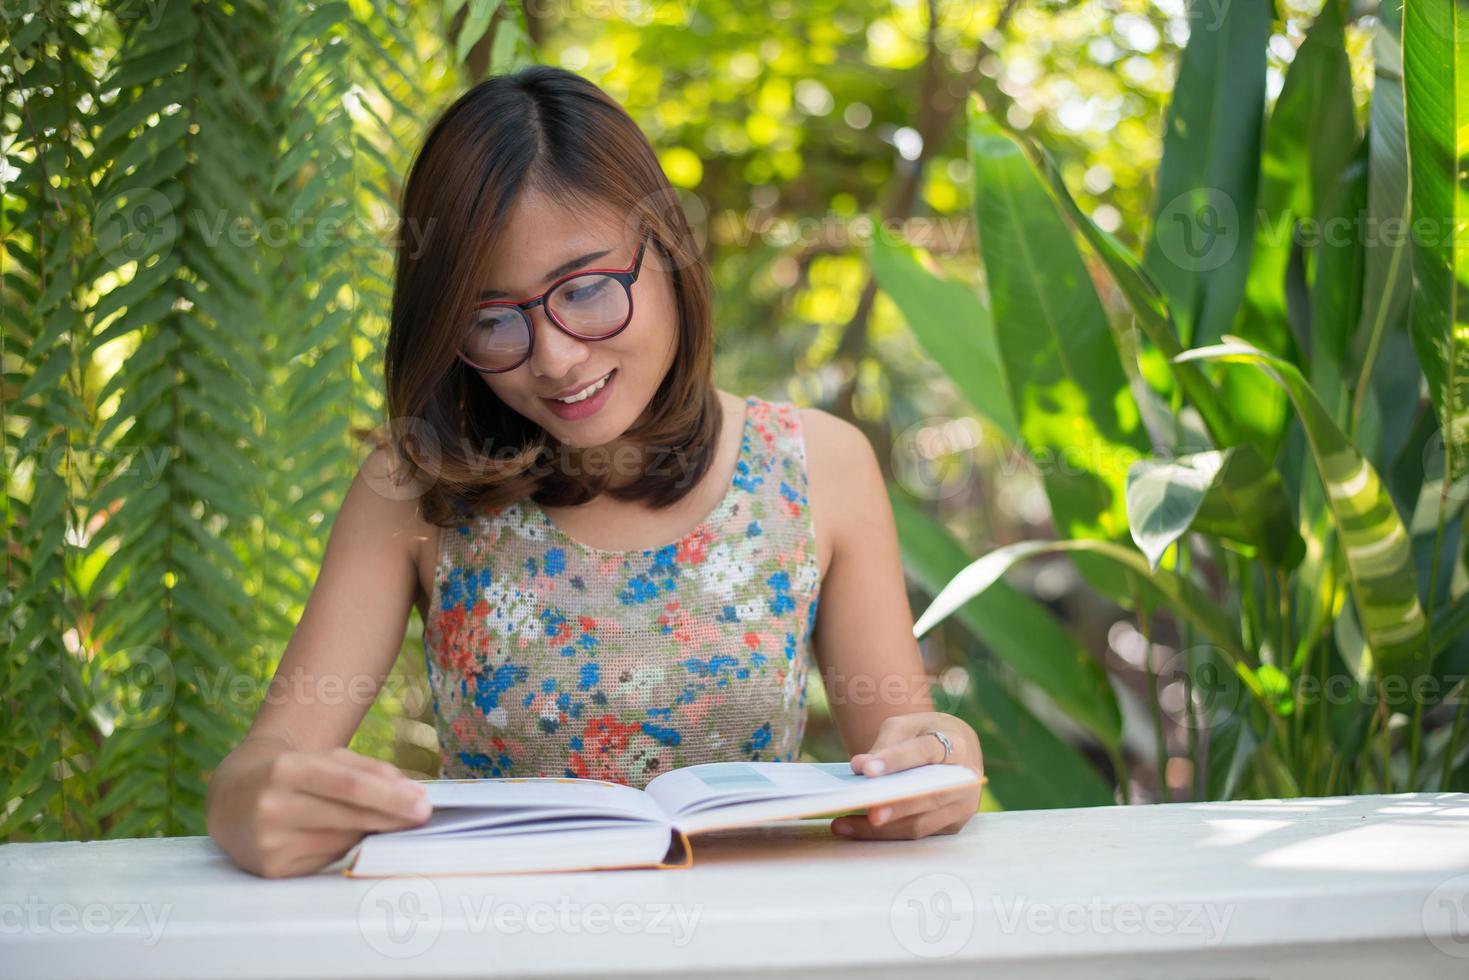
column 948, row 745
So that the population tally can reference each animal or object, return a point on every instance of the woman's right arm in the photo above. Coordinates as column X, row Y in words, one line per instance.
column 292, row 798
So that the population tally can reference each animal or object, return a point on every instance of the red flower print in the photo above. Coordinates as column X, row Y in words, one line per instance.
column 604, row 735
column 694, row 548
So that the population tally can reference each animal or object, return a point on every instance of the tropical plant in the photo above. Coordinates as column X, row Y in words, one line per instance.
column 1261, row 451
column 196, row 275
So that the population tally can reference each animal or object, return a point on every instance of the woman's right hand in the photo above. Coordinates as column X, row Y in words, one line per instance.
column 279, row 811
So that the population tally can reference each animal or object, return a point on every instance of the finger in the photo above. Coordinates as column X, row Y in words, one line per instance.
column 907, row 828
column 328, row 777
column 894, row 731
column 325, row 843
column 915, row 750
column 888, row 812
column 380, row 766
column 316, row 849
column 309, row 811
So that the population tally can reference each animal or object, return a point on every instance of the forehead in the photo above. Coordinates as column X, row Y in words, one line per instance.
column 538, row 218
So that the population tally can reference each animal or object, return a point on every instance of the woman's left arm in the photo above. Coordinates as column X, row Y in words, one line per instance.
column 864, row 646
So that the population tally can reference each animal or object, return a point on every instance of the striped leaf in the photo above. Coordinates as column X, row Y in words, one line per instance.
column 1229, row 493
column 1375, row 543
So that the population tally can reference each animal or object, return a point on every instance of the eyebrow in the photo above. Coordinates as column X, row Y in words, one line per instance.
column 555, row 273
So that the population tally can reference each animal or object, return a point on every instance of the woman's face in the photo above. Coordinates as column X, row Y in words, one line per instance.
column 540, row 241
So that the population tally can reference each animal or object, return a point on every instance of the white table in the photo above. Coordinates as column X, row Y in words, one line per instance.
column 1341, row 887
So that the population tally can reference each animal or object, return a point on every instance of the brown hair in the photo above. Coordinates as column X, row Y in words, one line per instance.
column 549, row 129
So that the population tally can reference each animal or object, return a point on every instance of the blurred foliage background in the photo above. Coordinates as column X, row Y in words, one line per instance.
column 199, row 214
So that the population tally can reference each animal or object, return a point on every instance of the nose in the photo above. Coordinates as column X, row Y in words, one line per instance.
column 557, row 353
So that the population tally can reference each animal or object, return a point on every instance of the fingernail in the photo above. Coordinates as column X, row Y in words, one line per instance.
column 880, row 815
column 842, row 827
column 875, row 767
column 422, row 808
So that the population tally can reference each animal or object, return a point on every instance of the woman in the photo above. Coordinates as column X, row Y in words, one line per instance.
column 618, row 566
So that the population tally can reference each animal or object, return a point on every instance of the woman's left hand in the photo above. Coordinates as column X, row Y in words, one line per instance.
column 902, row 744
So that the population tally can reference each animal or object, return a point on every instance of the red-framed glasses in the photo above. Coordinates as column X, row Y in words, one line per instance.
column 589, row 304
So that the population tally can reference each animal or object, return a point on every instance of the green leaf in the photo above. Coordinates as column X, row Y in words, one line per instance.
column 1163, row 498
column 1231, row 494
column 1065, row 379
column 1387, row 274
column 1310, row 137
column 1027, row 765
column 1142, row 295
column 1231, row 745
column 1014, row 627
column 1248, row 505
column 953, row 327
column 1375, row 543
column 1436, row 90
column 1199, row 252
column 1336, row 293
column 1182, row 595
column 476, row 21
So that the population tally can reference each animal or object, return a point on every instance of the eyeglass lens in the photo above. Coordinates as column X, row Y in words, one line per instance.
column 592, row 305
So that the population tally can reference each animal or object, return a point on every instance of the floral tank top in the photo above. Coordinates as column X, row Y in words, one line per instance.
column 548, row 657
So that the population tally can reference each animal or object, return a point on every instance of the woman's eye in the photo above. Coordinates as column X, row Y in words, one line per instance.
column 582, row 294
column 488, row 319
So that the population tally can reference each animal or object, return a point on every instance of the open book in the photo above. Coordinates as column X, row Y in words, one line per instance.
column 490, row 826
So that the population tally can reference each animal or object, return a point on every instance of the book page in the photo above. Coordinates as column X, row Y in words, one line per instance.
column 738, row 791
column 550, row 793
column 513, row 820
column 720, row 785
column 631, row 843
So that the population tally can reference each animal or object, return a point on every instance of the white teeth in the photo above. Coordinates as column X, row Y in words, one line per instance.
column 586, row 392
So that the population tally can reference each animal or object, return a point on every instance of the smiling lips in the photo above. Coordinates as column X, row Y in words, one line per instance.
column 583, row 393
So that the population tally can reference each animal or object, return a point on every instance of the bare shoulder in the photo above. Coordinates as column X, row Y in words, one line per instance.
column 382, row 504
column 835, row 448
column 845, row 479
